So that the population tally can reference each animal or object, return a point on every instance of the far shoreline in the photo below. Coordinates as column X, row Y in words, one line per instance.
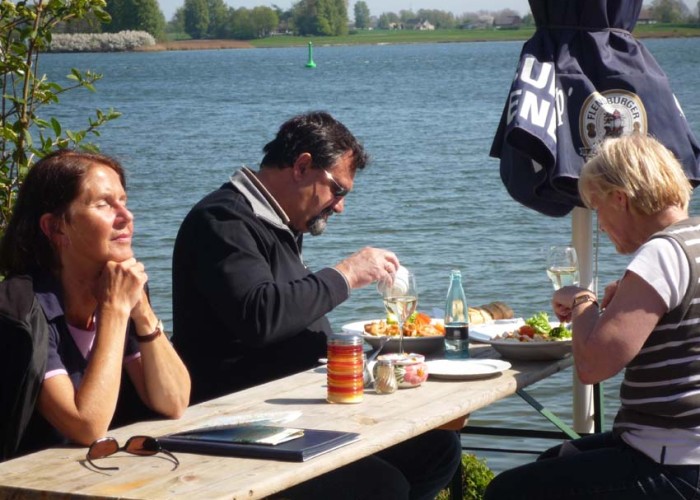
column 383, row 37
column 195, row 45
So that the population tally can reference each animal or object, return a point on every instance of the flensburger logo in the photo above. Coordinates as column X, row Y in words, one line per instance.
column 611, row 113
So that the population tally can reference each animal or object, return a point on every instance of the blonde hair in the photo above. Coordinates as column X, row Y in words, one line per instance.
column 641, row 167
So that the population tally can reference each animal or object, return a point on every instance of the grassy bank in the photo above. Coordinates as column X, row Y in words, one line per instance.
column 447, row 36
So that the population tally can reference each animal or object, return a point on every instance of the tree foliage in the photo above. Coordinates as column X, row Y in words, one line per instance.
column 135, row 15
column 265, row 21
column 321, row 17
column 25, row 32
column 439, row 18
column 196, row 18
column 361, row 15
column 218, row 18
column 387, row 19
column 669, row 11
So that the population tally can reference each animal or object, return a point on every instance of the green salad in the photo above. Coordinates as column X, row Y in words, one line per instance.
column 541, row 325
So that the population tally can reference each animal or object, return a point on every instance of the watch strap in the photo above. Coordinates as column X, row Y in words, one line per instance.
column 583, row 299
column 151, row 336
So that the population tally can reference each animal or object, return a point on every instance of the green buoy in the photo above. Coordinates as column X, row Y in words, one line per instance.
column 311, row 63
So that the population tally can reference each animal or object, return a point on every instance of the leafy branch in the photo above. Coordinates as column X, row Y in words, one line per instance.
column 25, row 33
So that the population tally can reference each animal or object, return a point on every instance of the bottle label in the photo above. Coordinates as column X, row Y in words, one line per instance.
column 457, row 332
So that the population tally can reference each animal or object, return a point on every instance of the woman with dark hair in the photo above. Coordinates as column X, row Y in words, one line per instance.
column 69, row 267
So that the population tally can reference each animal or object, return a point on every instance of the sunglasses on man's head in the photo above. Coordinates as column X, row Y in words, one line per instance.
column 339, row 190
column 136, row 445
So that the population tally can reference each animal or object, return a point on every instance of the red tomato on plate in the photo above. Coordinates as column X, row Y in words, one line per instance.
column 527, row 331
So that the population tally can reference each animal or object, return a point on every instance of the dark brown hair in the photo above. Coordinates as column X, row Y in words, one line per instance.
column 316, row 133
column 50, row 187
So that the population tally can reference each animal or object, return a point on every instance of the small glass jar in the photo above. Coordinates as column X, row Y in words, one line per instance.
column 385, row 379
column 345, row 369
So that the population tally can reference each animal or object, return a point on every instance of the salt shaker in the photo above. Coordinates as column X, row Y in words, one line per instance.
column 385, row 379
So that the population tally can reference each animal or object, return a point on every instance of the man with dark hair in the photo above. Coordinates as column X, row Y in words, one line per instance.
column 247, row 310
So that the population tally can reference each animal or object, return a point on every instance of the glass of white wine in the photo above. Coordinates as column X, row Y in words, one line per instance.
column 562, row 266
column 400, row 300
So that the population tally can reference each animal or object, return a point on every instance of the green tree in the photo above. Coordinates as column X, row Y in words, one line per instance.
column 321, row 17
column 286, row 19
column 386, row 19
column 241, row 24
column 89, row 24
column 177, row 23
column 138, row 15
column 406, row 15
column 265, row 21
column 439, row 18
column 25, row 32
column 339, row 17
column 218, row 18
column 196, row 18
column 669, row 11
column 361, row 15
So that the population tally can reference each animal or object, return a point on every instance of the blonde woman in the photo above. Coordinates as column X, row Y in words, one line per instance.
column 647, row 324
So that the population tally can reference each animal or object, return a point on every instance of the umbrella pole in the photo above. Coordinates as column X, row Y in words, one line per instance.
column 582, row 239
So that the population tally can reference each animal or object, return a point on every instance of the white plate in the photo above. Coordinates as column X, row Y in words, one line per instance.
column 532, row 351
column 487, row 331
column 511, row 349
column 465, row 369
column 420, row 345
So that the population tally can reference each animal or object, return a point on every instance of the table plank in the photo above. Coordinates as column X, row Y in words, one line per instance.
column 381, row 420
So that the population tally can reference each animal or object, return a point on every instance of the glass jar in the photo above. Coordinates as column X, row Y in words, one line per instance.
column 385, row 380
column 345, row 369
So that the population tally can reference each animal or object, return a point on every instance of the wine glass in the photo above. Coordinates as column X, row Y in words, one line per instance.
column 400, row 299
column 562, row 266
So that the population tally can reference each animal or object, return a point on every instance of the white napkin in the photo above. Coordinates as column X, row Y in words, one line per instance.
column 400, row 284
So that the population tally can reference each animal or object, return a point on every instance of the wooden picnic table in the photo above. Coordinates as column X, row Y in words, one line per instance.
column 381, row 421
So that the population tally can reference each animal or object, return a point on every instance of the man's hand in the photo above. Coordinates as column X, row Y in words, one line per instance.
column 367, row 266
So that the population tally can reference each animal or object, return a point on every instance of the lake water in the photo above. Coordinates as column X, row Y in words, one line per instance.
column 427, row 115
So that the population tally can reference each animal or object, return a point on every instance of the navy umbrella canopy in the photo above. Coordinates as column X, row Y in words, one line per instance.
column 582, row 78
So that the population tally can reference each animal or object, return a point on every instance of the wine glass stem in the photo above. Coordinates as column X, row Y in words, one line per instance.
column 400, row 337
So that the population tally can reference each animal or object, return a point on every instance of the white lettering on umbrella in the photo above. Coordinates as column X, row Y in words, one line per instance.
column 526, row 74
column 534, row 110
column 528, row 102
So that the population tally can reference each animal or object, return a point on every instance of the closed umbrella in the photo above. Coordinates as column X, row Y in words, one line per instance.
column 582, row 78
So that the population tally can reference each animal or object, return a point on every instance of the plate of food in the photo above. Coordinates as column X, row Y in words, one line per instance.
column 485, row 332
column 535, row 339
column 422, row 335
column 466, row 369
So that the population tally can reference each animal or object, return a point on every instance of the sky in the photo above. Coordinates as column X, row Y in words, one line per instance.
column 376, row 7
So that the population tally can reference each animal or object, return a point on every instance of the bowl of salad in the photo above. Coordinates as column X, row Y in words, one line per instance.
column 536, row 339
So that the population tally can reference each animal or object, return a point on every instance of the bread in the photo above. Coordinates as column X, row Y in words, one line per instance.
column 489, row 312
column 505, row 310
column 477, row 315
